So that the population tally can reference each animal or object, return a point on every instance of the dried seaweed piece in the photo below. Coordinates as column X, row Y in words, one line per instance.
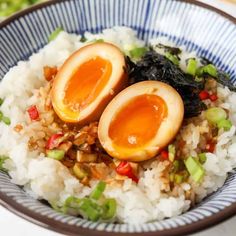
column 173, row 50
column 222, row 78
column 154, row 66
column 204, row 61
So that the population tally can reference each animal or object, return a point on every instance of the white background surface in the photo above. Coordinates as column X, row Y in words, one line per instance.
column 12, row 225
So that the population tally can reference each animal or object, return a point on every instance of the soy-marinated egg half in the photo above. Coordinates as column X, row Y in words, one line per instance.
column 140, row 121
column 87, row 81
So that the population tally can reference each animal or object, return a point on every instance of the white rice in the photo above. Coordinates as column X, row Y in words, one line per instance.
column 48, row 179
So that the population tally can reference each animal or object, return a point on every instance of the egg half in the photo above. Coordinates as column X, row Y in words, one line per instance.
column 87, row 81
column 140, row 121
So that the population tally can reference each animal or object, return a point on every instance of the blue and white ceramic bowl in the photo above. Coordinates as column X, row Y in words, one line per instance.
column 211, row 33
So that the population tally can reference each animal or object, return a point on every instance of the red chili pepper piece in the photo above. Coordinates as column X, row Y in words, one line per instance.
column 164, row 154
column 53, row 141
column 210, row 146
column 124, row 168
column 203, row 95
column 213, row 97
column 33, row 113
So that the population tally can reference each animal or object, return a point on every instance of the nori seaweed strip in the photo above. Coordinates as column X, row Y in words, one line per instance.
column 204, row 61
column 173, row 50
column 223, row 79
column 154, row 66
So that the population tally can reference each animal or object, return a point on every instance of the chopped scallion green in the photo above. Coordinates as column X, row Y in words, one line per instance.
column 56, row 154
column 178, row 178
column 208, row 69
column 54, row 34
column 99, row 189
column 202, row 157
column 195, row 169
column 171, row 151
column 2, row 161
column 185, row 174
column 79, row 171
column 137, row 53
column 72, row 202
column 109, row 209
column 90, row 209
column 72, row 205
column 57, row 208
column 192, row 66
column 225, row 124
column 172, row 177
column 176, row 165
column 215, row 114
column 172, row 58
column 1, row 101
column 6, row 120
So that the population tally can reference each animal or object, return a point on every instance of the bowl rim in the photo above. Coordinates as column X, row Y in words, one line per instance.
column 53, row 2
column 63, row 228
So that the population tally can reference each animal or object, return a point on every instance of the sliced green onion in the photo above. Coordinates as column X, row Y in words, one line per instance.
column 79, row 171
column 72, row 202
column 202, row 157
column 56, row 154
column 2, row 161
column 185, row 174
column 6, row 120
column 54, row 34
column 225, row 124
column 215, row 114
column 176, row 165
column 208, row 69
column 138, row 52
column 192, row 66
column 172, row 177
column 57, row 208
column 71, row 205
column 195, row 169
column 1, row 101
column 109, row 209
column 99, row 189
column 171, row 151
column 90, row 209
column 172, row 58
column 178, row 178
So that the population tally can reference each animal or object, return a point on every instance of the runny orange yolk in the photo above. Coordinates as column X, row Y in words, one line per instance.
column 87, row 82
column 137, row 122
